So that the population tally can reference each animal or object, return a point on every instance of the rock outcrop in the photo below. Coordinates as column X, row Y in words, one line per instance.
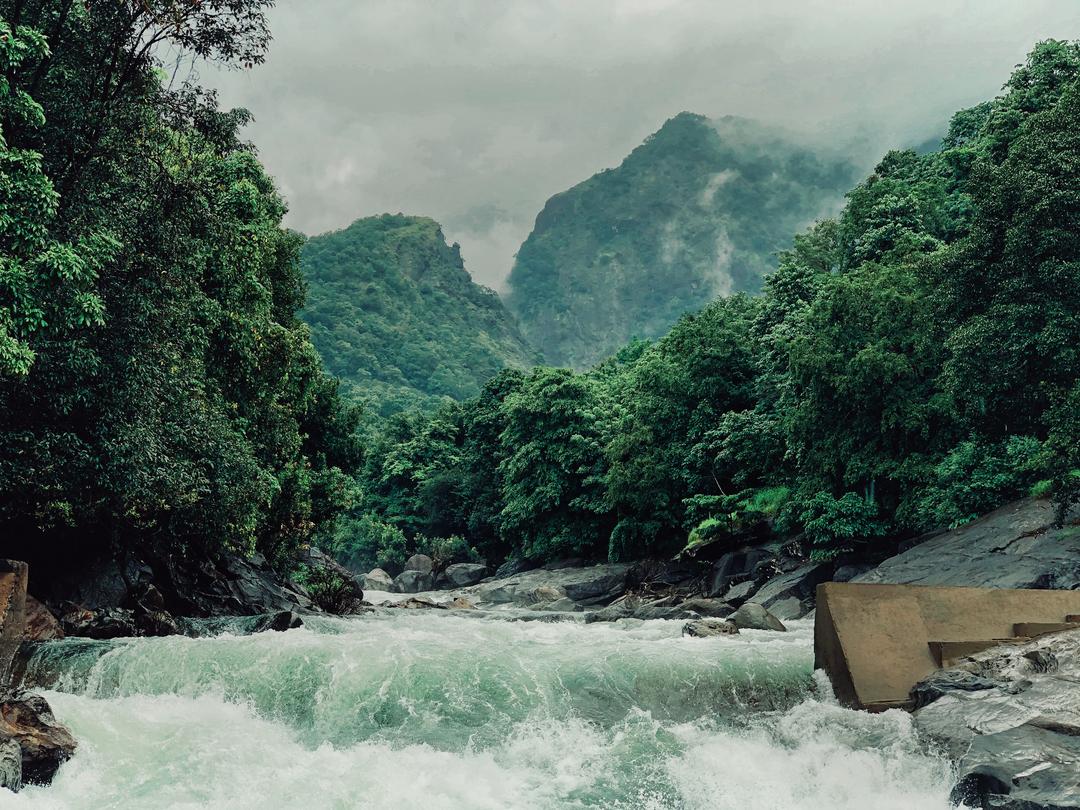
column 1010, row 717
column 1016, row 546
column 41, row 623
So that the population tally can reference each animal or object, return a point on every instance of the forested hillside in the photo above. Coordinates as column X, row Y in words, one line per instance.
column 395, row 315
column 698, row 210
column 157, row 392
column 910, row 364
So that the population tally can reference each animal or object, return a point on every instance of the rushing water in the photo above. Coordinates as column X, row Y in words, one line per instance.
column 433, row 710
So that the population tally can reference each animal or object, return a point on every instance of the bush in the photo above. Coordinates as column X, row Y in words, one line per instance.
column 836, row 525
column 329, row 590
column 445, row 551
column 975, row 478
column 365, row 542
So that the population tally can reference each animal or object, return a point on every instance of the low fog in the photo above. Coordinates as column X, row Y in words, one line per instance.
column 475, row 112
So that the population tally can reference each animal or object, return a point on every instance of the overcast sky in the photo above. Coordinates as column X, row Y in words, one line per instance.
column 475, row 112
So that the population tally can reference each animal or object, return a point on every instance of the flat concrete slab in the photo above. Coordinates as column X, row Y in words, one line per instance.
column 874, row 640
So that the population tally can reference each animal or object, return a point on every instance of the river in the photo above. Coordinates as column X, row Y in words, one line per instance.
column 440, row 711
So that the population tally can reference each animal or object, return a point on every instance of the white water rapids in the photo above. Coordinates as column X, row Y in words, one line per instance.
column 437, row 711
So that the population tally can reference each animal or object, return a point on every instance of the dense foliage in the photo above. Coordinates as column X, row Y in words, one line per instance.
column 910, row 364
column 696, row 211
column 396, row 316
column 157, row 391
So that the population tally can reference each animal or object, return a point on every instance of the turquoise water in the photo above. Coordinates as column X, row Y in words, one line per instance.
column 431, row 710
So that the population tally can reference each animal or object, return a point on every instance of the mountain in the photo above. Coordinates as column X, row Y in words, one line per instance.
column 698, row 210
column 394, row 313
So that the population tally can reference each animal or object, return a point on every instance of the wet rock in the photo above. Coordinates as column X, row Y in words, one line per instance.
column 709, row 627
column 752, row 616
column 1017, row 546
column 103, row 623
column 462, row 575
column 281, row 621
column 377, row 580
column 45, row 744
column 41, row 624
column 792, row 595
column 461, row 603
column 412, row 581
column 10, row 765
column 564, row 604
column 739, row 593
column 1010, row 717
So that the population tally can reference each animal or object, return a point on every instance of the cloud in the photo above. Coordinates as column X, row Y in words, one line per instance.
column 444, row 108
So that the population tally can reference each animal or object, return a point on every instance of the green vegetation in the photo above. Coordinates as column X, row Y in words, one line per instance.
column 395, row 315
column 698, row 210
column 157, row 392
column 909, row 364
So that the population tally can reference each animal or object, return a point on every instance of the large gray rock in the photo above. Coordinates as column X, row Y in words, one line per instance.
column 586, row 587
column 710, row 608
column 462, row 575
column 377, row 580
column 792, row 595
column 1010, row 717
column 1016, row 546
column 421, row 563
column 752, row 616
column 412, row 581
column 739, row 593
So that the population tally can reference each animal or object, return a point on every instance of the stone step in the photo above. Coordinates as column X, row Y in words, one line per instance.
column 1033, row 629
column 947, row 653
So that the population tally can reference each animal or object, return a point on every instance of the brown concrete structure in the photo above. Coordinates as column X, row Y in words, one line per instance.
column 877, row 641
column 13, row 576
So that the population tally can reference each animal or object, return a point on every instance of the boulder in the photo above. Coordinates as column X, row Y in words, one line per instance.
column 709, row 627
column 752, row 616
column 461, row 603
column 421, row 563
column 377, row 580
column 1010, row 717
column 591, row 586
column 41, row 624
column 461, row 575
column 416, row 603
column 412, row 580
column 739, row 593
column 281, row 621
column 1017, row 546
column 45, row 744
column 791, row 595
column 10, row 765
column 563, row 604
